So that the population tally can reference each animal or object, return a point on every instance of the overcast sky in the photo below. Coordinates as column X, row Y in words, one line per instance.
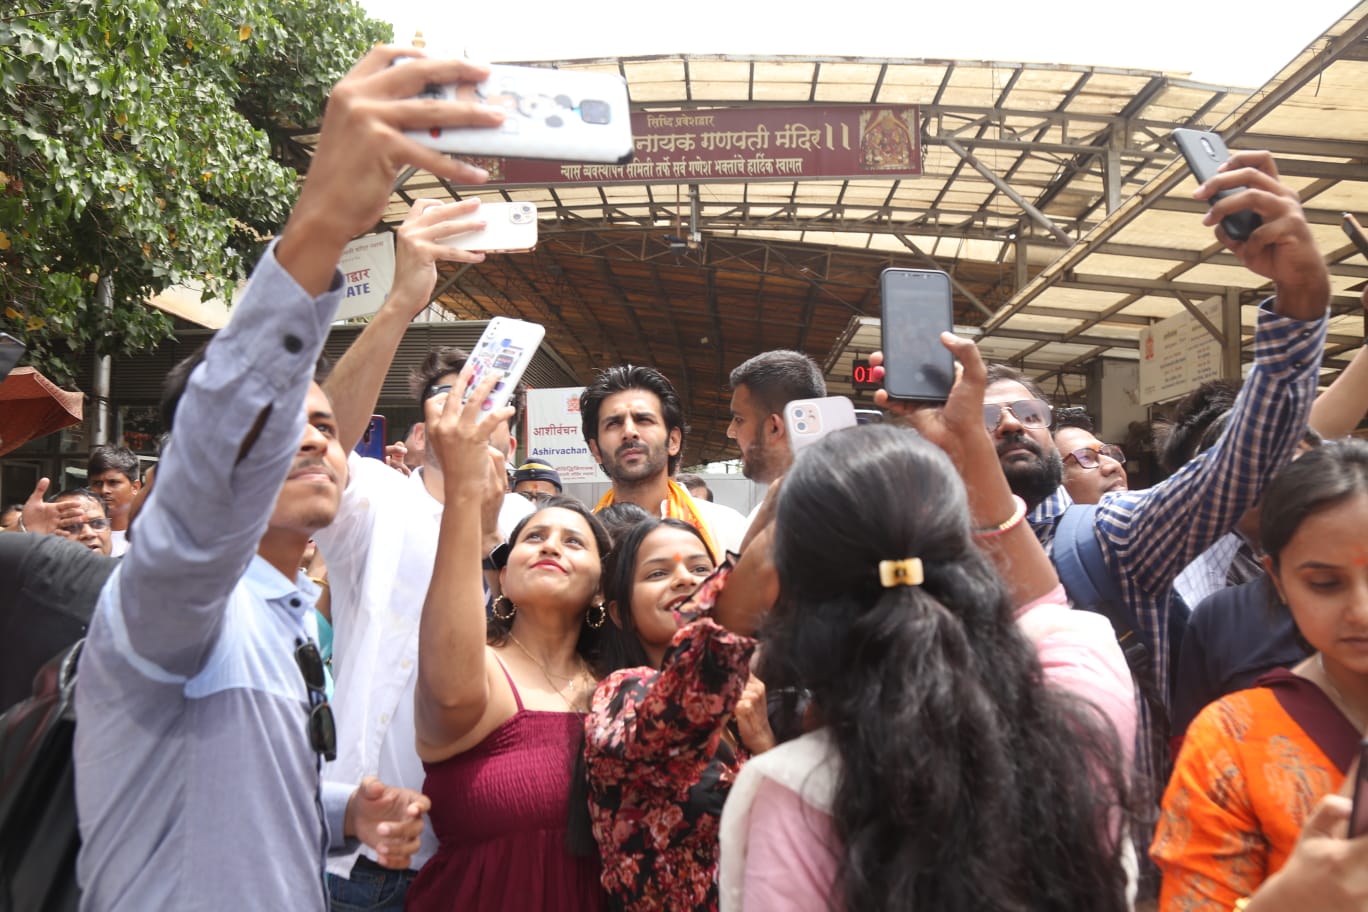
column 1236, row 44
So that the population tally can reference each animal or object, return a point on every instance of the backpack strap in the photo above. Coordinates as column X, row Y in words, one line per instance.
column 1091, row 585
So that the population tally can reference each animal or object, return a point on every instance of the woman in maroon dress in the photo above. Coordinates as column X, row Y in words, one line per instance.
column 499, row 710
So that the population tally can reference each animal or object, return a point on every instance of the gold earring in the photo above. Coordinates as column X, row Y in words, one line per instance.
column 595, row 621
column 503, row 608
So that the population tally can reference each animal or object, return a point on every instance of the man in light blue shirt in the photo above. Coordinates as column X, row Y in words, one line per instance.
column 201, row 721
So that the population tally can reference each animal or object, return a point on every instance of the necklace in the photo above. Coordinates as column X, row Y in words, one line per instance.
column 546, row 673
column 1339, row 697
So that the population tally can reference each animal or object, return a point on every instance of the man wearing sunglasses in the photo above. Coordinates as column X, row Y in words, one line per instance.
column 1091, row 468
column 202, row 721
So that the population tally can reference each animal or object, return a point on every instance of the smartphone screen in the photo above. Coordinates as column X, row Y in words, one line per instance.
column 1354, row 230
column 11, row 350
column 1358, row 820
column 917, row 308
column 372, row 442
column 1204, row 153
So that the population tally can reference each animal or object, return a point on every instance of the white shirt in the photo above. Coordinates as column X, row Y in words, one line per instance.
column 728, row 526
column 380, row 552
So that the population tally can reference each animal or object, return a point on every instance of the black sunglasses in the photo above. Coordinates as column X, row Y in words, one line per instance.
column 322, row 726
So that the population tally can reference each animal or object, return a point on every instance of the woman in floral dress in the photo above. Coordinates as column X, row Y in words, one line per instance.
column 660, row 750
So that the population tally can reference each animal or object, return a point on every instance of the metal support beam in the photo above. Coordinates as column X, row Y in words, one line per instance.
column 1200, row 317
column 1111, row 176
column 1023, row 271
column 1036, row 215
column 924, row 257
column 1230, row 320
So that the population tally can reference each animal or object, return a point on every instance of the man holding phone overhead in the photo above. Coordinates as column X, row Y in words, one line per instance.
column 203, row 722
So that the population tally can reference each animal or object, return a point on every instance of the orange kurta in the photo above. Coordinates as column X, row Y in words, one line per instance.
column 1246, row 780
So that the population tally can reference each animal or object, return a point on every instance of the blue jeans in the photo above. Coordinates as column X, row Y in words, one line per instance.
column 370, row 888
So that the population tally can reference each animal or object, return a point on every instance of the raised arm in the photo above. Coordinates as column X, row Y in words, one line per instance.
column 453, row 690
column 354, row 385
column 958, row 430
column 238, row 426
column 1341, row 407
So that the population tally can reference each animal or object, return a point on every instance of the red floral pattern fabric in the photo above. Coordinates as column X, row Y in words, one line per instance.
column 659, row 771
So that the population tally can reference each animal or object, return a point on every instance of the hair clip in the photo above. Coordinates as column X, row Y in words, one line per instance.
column 901, row 572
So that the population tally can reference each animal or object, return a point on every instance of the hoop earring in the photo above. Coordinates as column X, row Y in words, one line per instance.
column 596, row 620
column 503, row 608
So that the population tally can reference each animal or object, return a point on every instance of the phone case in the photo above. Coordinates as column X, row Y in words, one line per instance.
column 565, row 115
column 509, row 228
column 372, row 442
column 1205, row 152
column 506, row 346
column 1354, row 230
column 809, row 420
column 916, row 306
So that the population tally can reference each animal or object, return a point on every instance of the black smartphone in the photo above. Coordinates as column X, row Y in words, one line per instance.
column 1358, row 819
column 372, row 442
column 11, row 350
column 1205, row 152
column 1352, row 228
column 917, row 307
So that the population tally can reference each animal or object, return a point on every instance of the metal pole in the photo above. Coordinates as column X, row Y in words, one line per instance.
column 104, row 300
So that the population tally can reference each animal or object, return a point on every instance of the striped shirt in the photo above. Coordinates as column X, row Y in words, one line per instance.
column 1149, row 536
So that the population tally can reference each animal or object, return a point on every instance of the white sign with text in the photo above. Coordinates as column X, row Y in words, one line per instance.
column 1177, row 354
column 555, row 435
column 367, row 265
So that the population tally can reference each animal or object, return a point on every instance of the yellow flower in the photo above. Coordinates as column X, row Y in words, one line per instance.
column 4, row 241
column 244, row 33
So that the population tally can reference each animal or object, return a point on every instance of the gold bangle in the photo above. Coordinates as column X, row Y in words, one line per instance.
column 319, row 581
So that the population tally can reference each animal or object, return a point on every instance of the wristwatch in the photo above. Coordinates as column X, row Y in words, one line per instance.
column 497, row 558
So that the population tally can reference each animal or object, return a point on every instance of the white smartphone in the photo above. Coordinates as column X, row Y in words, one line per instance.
column 506, row 346
column 509, row 228
column 809, row 420
column 565, row 115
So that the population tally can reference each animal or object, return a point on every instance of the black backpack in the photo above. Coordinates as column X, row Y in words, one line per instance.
column 39, row 836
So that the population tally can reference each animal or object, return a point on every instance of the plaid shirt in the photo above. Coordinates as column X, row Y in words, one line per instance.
column 1149, row 536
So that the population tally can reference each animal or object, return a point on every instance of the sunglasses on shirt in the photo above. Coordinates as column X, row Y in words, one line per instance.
column 322, row 726
column 1031, row 413
column 1090, row 457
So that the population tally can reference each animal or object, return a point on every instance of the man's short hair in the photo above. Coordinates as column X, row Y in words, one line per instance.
column 110, row 457
column 1072, row 417
column 628, row 377
column 1197, row 423
column 448, row 359
column 178, row 377
column 1002, row 373
column 776, row 378
column 690, row 482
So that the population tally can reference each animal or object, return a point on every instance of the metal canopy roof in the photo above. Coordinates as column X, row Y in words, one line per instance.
column 1022, row 163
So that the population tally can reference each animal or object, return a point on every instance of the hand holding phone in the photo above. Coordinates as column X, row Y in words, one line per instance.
column 509, row 228
column 809, row 420
column 565, row 115
column 506, row 347
column 917, row 307
column 1205, row 152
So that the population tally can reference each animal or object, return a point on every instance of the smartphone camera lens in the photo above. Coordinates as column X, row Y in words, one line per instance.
column 802, row 426
column 595, row 112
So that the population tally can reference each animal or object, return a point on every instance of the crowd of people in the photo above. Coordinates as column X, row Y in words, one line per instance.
column 952, row 661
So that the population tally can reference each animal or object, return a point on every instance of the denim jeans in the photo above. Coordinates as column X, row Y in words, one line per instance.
column 370, row 888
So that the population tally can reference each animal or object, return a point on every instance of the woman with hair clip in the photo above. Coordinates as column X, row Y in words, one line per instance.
column 660, row 751
column 950, row 763
column 499, row 708
column 1249, row 819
